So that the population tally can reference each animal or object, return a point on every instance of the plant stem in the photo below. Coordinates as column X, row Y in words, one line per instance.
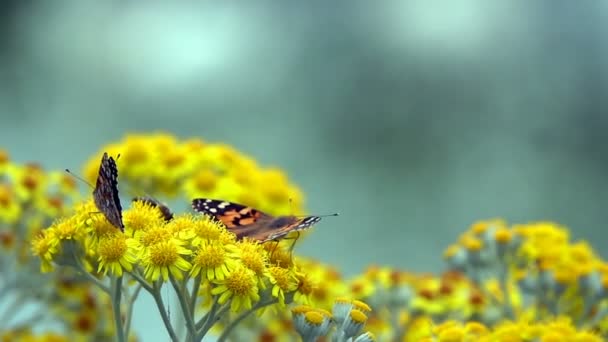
column 90, row 277
column 241, row 317
column 204, row 321
column 116, row 295
column 184, row 305
column 155, row 292
column 194, row 293
column 142, row 281
column 130, row 309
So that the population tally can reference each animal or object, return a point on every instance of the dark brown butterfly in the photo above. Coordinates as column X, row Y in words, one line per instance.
column 164, row 209
column 246, row 221
column 105, row 194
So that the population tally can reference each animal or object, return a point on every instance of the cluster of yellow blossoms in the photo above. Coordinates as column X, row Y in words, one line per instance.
column 516, row 283
column 203, row 262
column 30, row 199
column 501, row 283
column 161, row 165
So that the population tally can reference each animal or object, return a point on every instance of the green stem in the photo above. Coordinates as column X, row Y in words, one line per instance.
column 194, row 294
column 89, row 276
column 155, row 292
column 130, row 309
column 241, row 317
column 141, row 281
column 116, row 295
column 209, row 319
column 184, row 304
column 204, row 321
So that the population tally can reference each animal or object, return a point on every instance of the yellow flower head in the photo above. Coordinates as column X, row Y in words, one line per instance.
column 141, row 217
column 284, row 281
column 254, row 257
column 154, row 236
column 164, row 258
column 182, row 226
column 116, row 253
column 213, row 260
column 239, row 286
column 44, row 246
column 207, row 229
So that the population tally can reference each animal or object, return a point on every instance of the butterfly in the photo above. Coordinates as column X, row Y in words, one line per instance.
column 105, row 194
column 164, row 209
column 246, row 221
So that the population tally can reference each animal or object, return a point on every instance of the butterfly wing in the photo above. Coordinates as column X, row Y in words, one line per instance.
column 105, row 194
column 283, row 225
column 163, row 208
column 245, row 221
column 231, row 214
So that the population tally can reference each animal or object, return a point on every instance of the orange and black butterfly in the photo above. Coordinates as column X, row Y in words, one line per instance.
column 105, row 194
column 246, row 221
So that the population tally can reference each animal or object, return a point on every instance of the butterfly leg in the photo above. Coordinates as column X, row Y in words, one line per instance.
column 274, row 248
column 294, row 244
column 91, row 213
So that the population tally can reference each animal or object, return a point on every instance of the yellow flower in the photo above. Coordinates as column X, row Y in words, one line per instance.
column 207, row 229
column 153, row 236
column 239, row 286
column 306, row 287
column 182, row 226
column 164, row 258
column 10, row 210
column 44, row 246
column 141, row 217
column 67, row 229
column 284, row 281
column 116, row 252
column 254, row 257
column 214, row 260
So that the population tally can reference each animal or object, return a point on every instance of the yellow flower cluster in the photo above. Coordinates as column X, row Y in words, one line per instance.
column 160, row 164
column 30, row 199
column 189, row 250
column 531, row 273
column 558, row 329
column 29, row 336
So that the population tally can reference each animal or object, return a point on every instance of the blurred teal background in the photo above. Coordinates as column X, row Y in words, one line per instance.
column 412, row 120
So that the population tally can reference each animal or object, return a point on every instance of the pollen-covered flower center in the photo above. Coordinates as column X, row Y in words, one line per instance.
column 305, row 284
column 154, row 236
column 314, row 318
column 163, row 254
column 281, row 277
column 210, row 256
column 112, row 248
column 205, row 180
column 65, row 230
column 41, row 245
column 142, row 216
column 207, row 229
column 240, row 282
column 7, row 239
column 253, row 261
column 5, row 195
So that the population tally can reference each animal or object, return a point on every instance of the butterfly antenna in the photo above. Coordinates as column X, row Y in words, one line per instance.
column 324, row 215
column 79, row 178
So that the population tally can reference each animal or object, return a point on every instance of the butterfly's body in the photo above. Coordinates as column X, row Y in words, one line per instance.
column 105, row 194
column 245, row 221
